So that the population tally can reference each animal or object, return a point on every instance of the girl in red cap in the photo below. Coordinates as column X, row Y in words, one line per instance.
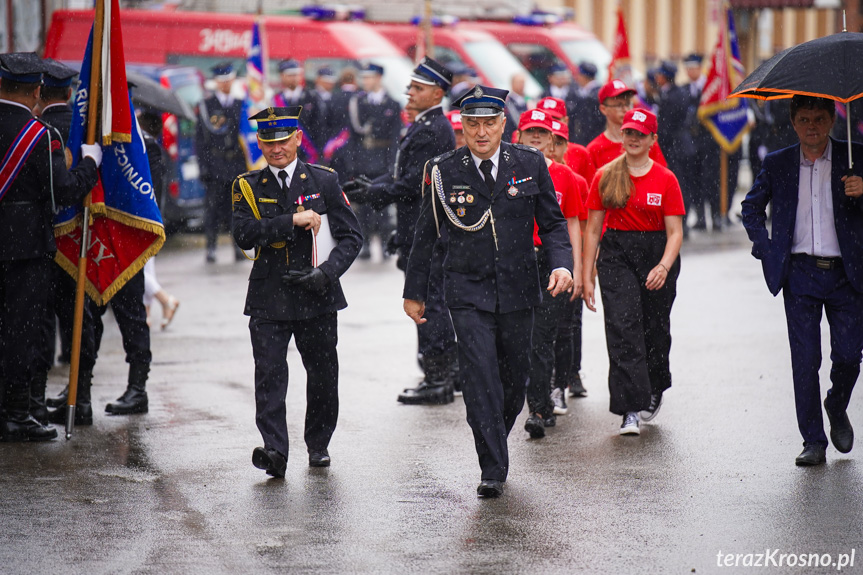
column 638, row 265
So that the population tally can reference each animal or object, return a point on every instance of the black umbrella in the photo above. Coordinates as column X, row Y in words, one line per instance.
column 828, row 67
column 151, row 94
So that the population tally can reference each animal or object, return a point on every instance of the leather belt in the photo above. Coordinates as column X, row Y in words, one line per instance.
column 820, row 262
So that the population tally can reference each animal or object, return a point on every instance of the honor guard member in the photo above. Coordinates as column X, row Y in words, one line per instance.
column 429, row 136
column 294, row 290
column 34, row 181
column 219, row 154
column 375, row 125
column 485, row 197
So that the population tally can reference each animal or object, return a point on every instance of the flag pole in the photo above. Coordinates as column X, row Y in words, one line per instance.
column 92, row 127
column 723, row 182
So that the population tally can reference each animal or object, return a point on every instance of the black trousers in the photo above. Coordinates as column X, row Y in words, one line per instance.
column 316, row 340
column 436, row 336
column 24, row 295
column 567, row 345
column 494, row 365
column 64, row 307
column 131, row 315
column 637, row 320
column 217, row 210
column 546, row 317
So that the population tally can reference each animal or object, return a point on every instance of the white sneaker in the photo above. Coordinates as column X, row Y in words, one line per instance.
column 631, row 424
column 558, row 398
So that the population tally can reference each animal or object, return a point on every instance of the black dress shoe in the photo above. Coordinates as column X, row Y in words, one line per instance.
column 490, row 488
column 535, row 426
column 812, row 454
column 25, row 429
column 83, row 414
column 841, row 432
column 319, row 458
column 270, row 461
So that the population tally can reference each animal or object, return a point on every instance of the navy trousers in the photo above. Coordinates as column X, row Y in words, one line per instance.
column 494, row 365
column 808, row 293
column 436, row 337
column 316, row 340
column 131, row 315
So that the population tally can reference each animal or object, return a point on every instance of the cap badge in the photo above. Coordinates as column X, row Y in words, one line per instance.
column 272, row 114
column 537, row 115
column 639, row 117
column 477, row 93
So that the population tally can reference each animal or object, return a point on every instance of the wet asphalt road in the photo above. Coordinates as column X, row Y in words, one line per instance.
column 174, row 491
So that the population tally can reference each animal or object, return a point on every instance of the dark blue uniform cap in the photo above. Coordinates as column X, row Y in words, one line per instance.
column 482, row 101
column 276, row 124
column 693, row 59
column 23, row 67
column 372, row 69
column 223, row 71
column 587, row 69
column 558, row 68
column 290, row 65
column 432, row 72
column 326, row 72
column 668, row 69
column 57, row 74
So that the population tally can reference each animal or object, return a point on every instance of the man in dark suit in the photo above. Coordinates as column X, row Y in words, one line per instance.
column 30, row 188
column 484, row 198
column 430, row 135
column 294, row 288
column 585, row 120
column 675, row 139
column 374, row 121
column 814, row 254
column 220, row 155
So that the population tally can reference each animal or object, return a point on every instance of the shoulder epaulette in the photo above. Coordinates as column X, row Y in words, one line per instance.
column 526, row 148
column 249, row 173
column 320, row 167
column 442, row 157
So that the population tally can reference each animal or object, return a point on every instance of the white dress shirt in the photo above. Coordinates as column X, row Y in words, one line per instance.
column 815, row 227
column 289, row 169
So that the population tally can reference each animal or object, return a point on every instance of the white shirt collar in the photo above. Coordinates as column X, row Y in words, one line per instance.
column 11, row 103
column 494, row 160
column 224, row 99
column 826, row 156
column 426, row 111
column 290, row 168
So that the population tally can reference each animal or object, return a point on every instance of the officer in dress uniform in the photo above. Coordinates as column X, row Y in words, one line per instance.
column 375, row 125
column 294, row 289
column 220, row 155
column 485, row 198
column 430, row 135
column 294, row 93
column 28, row 195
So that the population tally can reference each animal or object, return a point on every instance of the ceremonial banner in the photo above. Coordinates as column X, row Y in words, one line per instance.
column 254, row 102
column 726, row 119
column 620, row 50
column 126, row 228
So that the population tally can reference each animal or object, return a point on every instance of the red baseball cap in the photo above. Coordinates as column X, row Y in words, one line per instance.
column 641, row 120
column 613, row 89
column 554, row 107
column 560, row 129
column 454, row 117
column 534, row 119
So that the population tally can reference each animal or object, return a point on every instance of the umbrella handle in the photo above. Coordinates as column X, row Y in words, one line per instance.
column 848, row 130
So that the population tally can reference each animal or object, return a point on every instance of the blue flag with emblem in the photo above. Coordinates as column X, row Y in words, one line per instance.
column 126, row 228
column 726, row 119
column 253, row 103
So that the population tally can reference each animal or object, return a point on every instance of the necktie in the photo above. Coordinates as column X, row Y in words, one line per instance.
column 485, row 167
column 283, row 176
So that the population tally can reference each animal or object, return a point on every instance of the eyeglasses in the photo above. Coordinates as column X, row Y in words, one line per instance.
column 620, row 105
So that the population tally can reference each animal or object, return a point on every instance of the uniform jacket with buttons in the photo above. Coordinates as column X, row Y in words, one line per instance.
column 26, row 219
column 478, row 274
column 430, row 136
column 268, row 295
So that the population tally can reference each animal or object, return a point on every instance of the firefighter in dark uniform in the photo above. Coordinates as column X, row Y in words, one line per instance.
column 220, row 155
column 28, row 195
column 485, row 198
column 57, row 112
column 430, row 135
column 294, row 288
column 375, row 125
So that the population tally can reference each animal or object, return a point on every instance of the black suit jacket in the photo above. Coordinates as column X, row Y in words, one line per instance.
column 26, row 219
column 778, row 183
column 268, row 296
column 479, row 274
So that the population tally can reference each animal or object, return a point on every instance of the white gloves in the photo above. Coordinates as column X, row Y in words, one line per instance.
column 92, row 150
